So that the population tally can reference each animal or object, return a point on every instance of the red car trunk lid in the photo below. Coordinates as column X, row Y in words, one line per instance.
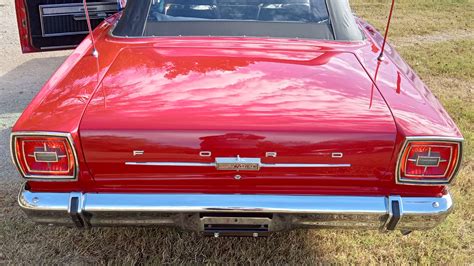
column 157, row 107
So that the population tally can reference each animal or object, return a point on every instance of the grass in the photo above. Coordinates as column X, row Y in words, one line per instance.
column 420, row 17
column 452, row 59
column 445, row 66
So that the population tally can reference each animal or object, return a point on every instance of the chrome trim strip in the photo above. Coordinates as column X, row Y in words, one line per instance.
column 456, row 140
column 359, row 43
column 69, row 139
column 313, row 211
column 435, row 138
column 302, row 165
column 172, row 164
column 277, row 165
column 58, row 47
column 66, row 33
column 74, row 8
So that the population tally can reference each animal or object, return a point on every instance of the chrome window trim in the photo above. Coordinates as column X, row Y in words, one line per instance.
column 403, row 181
column 154, row 38
column 150, row 39
column 66, row 136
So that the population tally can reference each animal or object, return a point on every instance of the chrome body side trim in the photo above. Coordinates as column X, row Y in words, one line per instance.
column 283, row 211
column 68, row 138
column 302, row 165
column 172, row 164
column 400, row 180
column 262, row 165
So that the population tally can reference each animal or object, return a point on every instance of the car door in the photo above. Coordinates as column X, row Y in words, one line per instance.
column 46, row 25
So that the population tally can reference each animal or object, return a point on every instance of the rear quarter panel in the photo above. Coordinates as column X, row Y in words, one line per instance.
column 417, row 112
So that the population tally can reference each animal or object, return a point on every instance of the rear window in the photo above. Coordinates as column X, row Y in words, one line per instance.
column 307, row 11
column 312, row 19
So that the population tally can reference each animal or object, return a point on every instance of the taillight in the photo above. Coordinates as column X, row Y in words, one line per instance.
column 48, row 156
column 429, row 161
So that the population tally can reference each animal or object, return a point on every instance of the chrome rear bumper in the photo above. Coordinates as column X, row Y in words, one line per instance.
column 222, row 213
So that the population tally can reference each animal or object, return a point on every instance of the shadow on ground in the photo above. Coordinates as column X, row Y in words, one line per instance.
column 19, row 85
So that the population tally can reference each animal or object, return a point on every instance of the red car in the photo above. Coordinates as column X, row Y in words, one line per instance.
column 230, row 117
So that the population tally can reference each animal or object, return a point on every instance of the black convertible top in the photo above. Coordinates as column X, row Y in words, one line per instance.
column 330, row 20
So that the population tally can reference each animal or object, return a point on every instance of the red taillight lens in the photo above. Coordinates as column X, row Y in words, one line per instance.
column 44, row 157
column 429, row 162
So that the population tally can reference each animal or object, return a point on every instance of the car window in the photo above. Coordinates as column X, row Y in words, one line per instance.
column 240, row 10
column 305, row 19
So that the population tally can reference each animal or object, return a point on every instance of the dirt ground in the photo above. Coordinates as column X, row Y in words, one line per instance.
column 419, row 37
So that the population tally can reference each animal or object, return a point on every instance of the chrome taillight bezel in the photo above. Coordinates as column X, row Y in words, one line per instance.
column 66, row 136
column 410, row 181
